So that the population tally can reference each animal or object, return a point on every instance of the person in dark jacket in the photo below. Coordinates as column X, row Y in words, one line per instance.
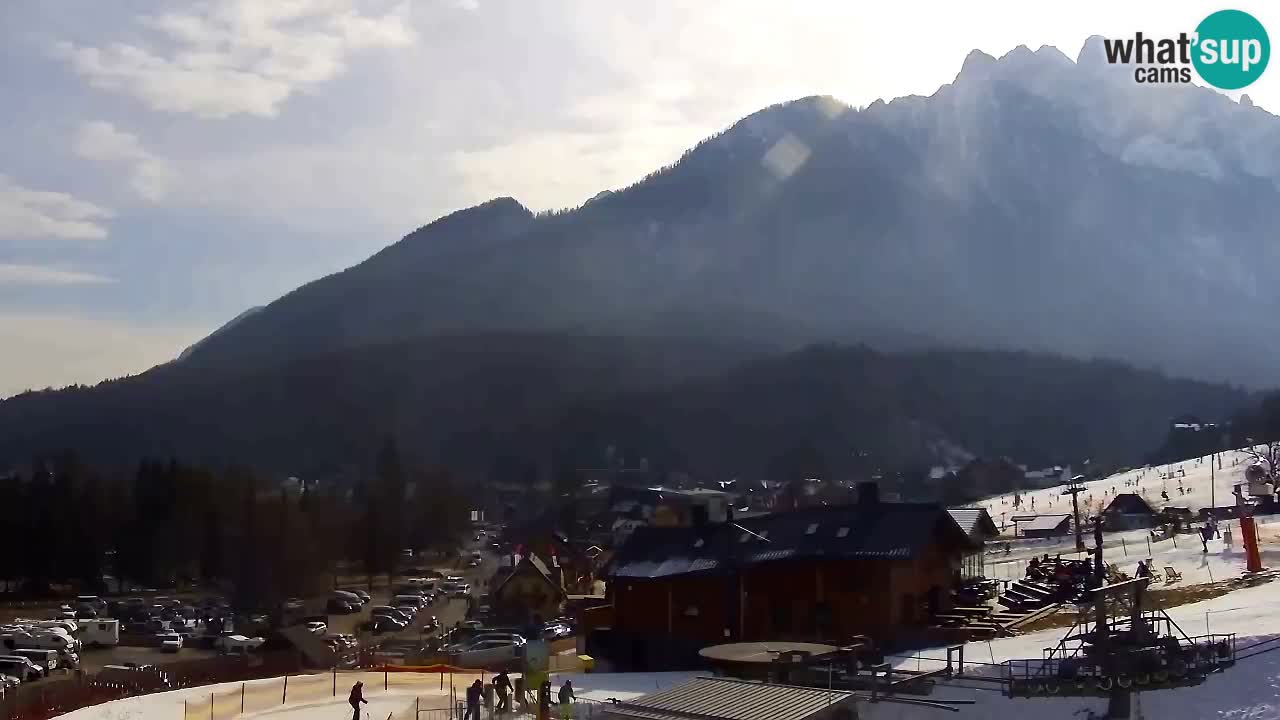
column 474, row 692
column 544, row 700
column 357, row 697
column 502, row 684
column 566, row 699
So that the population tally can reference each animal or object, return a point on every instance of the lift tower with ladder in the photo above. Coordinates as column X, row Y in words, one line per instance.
column 1117, row 647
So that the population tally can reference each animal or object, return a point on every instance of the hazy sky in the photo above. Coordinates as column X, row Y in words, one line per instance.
column 165, row 164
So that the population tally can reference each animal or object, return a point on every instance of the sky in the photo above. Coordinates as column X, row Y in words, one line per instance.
column 166, row 164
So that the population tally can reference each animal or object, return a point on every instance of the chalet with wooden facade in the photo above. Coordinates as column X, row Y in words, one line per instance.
column 1128, row 511
column 814, row 574
column 528, row 594
column 1043, row 526
column 978, row 525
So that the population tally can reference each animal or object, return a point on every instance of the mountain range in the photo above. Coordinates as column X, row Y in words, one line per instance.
column 1035, row 204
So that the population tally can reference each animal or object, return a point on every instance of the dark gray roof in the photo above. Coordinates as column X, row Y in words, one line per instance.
column 858, row 531
column 1043, row 522
column 1129, row 504
column 534, row 562
column 730, row 699
column 976, row 522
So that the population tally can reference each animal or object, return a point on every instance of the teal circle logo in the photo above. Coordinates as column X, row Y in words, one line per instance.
column 1232, row 49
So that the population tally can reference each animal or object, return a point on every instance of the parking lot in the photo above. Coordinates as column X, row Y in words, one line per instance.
column 447, row 611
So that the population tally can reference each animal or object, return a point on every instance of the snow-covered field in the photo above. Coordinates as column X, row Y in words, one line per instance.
column 1125, row 549
column 1249, row 690
column 1191, row 475
column 309, row 695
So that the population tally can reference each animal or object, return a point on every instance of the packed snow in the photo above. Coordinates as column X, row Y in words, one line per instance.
column 1187, row 484
column 1250, row 689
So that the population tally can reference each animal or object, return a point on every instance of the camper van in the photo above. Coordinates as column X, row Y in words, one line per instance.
column 100, row 633
column 47, row 659
column 47, row 641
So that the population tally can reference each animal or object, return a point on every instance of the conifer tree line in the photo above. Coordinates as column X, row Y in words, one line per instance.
column 257, row 540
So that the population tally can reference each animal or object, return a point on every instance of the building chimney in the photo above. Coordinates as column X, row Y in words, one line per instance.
column 868, row 492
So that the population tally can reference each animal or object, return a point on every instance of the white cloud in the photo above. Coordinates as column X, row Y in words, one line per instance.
column 12, row 274
column 230, row 57
column 150, row 176
column 34, row 214
column 50, row 349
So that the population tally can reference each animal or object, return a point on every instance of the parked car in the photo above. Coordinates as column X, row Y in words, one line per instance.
column 348, row 596
column 486, row 636
column 337, row 605
column 385, row 624
column 170, row 642
column 68, row 659
column 364, row 596
column 317, row 627
column 237, row 643
column 20, row 667
column 413, row 599
column 46, row 659
column 471, row 625
column 487, row 654
column 8, row 682
column 555, row 632
column 387, row 610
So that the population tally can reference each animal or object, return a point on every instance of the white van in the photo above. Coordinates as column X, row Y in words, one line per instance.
column 350, row 597
column 47, row 659
column 70, row 626
column 100, row 633
column 48, row 641
column 414, row 600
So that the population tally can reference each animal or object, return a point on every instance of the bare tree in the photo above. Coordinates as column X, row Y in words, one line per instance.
column 1267, row 453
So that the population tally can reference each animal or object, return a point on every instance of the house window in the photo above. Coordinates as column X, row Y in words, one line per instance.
column 842, row 532
column 691, row 611
column 813, row 528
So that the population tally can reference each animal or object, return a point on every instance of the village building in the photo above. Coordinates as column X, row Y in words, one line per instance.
column 1128, row 511
column 816, row 574
column 1042, row 526
column 978, row 525
column 528, row 594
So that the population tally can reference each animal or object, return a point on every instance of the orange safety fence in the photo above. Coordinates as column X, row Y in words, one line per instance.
column 251, row 697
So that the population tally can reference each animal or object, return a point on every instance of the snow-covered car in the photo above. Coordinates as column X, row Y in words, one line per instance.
column 170, row 642
column 317, row 627
column 9, row 682
column 238, row 643
column 556, row 631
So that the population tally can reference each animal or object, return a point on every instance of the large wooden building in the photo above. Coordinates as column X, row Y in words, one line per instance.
column 815, row 574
